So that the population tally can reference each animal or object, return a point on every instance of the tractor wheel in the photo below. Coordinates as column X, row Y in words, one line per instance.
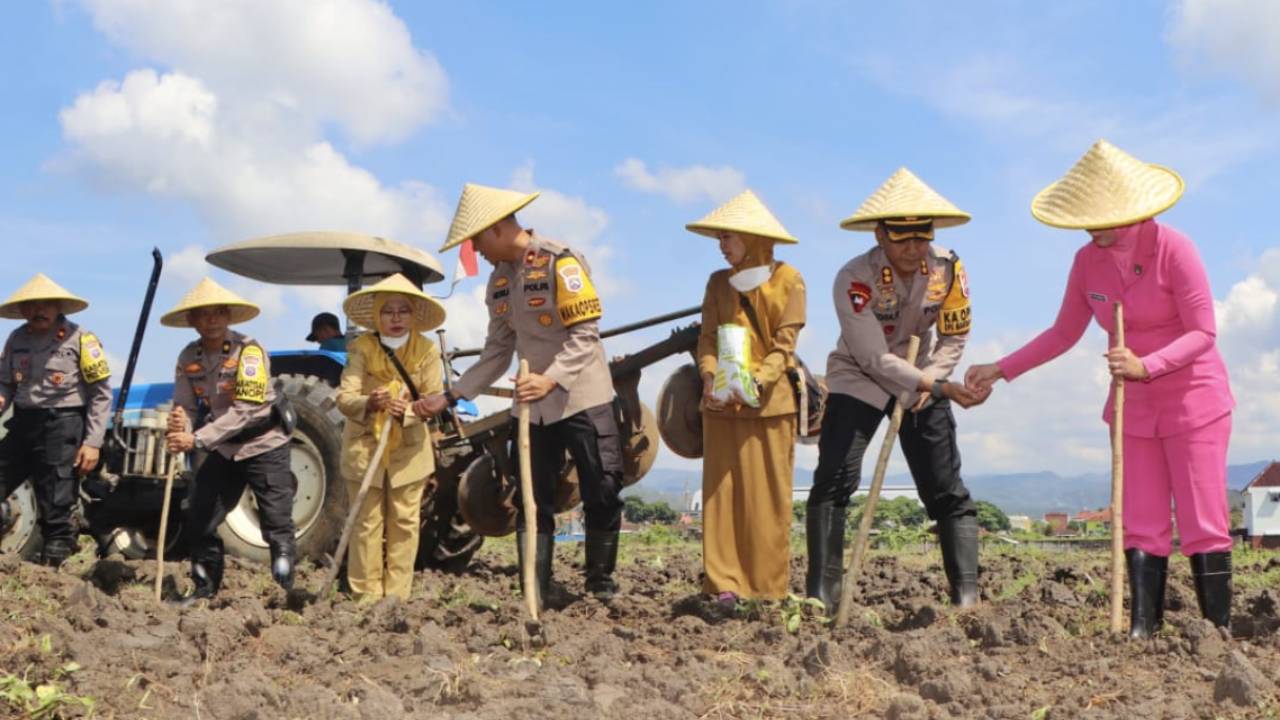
column 24, row 537
column 320, row 499
column 446, row 541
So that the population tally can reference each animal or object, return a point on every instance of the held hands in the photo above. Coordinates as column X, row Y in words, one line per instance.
column 533, row 387
column 963, row 396
column 1123, row 363
column 982, row 378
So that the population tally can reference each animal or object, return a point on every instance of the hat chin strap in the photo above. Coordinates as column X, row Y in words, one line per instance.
column 750, row 278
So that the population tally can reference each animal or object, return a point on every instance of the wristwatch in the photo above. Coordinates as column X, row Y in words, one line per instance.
column 450, row 398
column 938, row 391
column 197, row 443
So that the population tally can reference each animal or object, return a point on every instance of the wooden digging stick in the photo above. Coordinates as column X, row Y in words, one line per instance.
column 873, row 496
column 374, row 463
column 530, row 506
column 176, row 461
column 1117, row 489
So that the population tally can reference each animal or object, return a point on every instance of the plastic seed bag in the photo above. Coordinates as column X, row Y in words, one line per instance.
column 734, row 382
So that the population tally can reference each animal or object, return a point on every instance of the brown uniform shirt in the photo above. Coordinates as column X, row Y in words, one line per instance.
column 879, row 311
column 63, row 368
column 545, row 308
column 233, row 386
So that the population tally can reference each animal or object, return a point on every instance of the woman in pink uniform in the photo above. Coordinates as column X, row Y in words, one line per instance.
column 1177, row 412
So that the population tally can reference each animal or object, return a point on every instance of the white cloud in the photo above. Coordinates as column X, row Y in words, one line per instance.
column 1249, row 339
column 167, row 135
column 1237, row 37
column 349, row 61
column 683, row 185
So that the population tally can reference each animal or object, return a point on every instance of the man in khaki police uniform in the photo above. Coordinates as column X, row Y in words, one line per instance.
column 224, row 410
column 55, row 375
column 543, row 306
column 902, row 287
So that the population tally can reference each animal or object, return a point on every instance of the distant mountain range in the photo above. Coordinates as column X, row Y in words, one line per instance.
column 1030, row 494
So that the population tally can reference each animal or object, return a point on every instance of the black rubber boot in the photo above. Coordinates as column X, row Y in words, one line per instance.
column 55, row 552
column 1212, row 573
column 207, row 577
column 959, row 540
column 1147, row 574
column 282, row 568
column 602, row 557
column 824, row 534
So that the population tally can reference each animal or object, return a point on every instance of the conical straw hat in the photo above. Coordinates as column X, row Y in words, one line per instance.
column 41, row 287
column 479, row 208
column 208, row 293
column 904, row 195
column 1107, row 188
column 743, row 214
column 428, row 313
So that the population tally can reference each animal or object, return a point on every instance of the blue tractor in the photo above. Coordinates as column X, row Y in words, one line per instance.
column 469, row 497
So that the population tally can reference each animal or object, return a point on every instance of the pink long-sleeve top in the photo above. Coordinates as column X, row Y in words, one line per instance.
column 1156, row 273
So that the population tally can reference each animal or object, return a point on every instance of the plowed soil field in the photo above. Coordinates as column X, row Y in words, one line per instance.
column 90, row 640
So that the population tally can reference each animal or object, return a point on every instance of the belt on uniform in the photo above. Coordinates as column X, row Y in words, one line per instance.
column 46, row 412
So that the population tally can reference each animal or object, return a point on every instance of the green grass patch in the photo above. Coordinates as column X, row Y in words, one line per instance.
column 1014, row 588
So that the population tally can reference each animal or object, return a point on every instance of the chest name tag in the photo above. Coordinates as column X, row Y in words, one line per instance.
column 1098, row 297
column 251, row 377
column 955, row 317
column 576, row 298
column 93, row 359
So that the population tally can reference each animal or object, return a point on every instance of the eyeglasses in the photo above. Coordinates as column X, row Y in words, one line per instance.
column 899, row 241
column 393, row 312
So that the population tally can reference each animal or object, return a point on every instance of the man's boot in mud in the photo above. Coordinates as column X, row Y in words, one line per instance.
column 55, row 552
column 207, row 577
column 282, row 566
column 824, row 534
column 602, row 557
column 1147, row 576
column 1212, row 573
column 958, row 537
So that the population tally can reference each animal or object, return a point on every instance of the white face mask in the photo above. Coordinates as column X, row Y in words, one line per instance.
column 395, row 343
column 751, row 278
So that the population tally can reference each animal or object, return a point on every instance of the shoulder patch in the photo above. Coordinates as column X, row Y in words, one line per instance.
column 93, row 359
column 251, row 378
column 955, row 317
column 576, row 298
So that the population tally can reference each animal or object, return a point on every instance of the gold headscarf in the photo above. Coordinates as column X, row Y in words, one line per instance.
column 759, row 251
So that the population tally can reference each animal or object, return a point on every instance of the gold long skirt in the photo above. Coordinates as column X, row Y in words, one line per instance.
column 746, row 497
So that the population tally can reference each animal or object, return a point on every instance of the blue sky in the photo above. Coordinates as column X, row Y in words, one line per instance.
column 189, row 125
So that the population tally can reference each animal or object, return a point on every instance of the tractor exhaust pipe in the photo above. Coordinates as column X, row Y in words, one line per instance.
column 118, row 419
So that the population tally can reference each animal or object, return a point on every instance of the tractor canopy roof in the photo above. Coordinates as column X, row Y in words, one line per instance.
column 326, row 258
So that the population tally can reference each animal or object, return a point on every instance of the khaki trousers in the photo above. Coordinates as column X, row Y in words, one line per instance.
column 384, row 542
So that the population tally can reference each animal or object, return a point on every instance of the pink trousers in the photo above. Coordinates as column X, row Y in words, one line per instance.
column 1189, row 468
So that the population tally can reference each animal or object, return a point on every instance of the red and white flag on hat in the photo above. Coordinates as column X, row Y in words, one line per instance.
column 468, row 265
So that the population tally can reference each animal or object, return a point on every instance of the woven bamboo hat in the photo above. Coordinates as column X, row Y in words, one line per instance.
column 743, row 214
column 208, row 293
column 428, row 313
column 479, row 208
column 904, row 195
column 41, row 287
column 1107, row 188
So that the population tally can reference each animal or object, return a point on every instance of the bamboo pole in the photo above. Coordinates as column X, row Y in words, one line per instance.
column 529, row 504
column 873, row 496
column 375, row 463
column 175, row 462
column 1117, row 488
